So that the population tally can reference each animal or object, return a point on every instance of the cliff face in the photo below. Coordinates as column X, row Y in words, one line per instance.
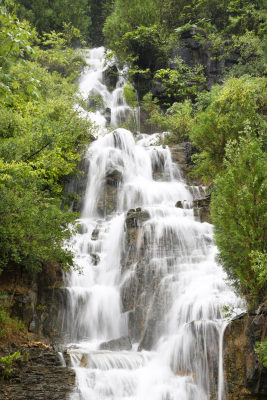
column 36, row 299
column 245, row 376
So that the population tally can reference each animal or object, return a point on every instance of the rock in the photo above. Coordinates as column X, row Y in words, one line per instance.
column 75, row 187
column 95, row 259
column 179, row 204
column 136, row 217
column 95, row 233
column 202, row 209
column 122, row 343
column 107, row 202
column 245, row 376
column 38, row 375
column 110, row 77
column 107, row 115
column 114, row 178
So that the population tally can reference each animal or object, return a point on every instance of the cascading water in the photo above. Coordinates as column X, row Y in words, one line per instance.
column 166, row 291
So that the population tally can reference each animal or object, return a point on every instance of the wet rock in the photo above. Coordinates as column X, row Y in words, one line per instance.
column 95, row 233
column 179, row 204
column 110, row 77
column 75, row 187
column 245, row 376
column 38, row 375
column 107, row 115
column 136, row 217
column 202, row 209
column 114, row 178
column 95, row 259
column 122, row 343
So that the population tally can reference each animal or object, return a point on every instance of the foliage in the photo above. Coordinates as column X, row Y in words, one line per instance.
column 8, row 325
column 130, row 95
column 41, row 140
column 178, row 119
column 259, row 266
column 261, row 350
column 7, row 363
column 48, row 16
column 180, row 83
column 239, row 213
column 235, row 107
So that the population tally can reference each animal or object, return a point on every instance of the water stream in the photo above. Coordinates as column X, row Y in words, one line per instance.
column 148, row 274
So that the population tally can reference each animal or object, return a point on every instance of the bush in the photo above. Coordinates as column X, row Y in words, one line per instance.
column 232, row 109
column 239, row 214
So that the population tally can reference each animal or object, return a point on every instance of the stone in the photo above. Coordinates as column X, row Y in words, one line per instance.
column 110, row 77
column 122, row 343
column 179, row 204
column 202, row 209
column 95, row 233
column 245, row 376
column 95, row 259
column 38, row 375
column 107, row 115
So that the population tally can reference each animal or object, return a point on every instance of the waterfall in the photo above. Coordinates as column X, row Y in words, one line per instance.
column 144, row 317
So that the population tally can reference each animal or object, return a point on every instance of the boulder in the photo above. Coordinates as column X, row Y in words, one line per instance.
column 110, row 77
column 122, row 343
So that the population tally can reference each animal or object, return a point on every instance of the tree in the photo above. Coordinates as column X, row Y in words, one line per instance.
column 239, row 215
column 232, row 107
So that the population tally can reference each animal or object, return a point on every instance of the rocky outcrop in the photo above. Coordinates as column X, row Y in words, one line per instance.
column 202, row 209
column 36, row 299
column 110, row 77
column 107, row 202
column 245, row 376
column 37, row 375
column 122, row 343
column 181, row 154
column 194, row 51
column 75, row 188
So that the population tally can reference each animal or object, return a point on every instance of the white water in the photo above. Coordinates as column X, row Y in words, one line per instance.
column 185, row 309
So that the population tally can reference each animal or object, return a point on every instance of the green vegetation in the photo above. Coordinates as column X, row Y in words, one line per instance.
column 8, row 326
column 41, row 140
column 239, row 214
column 7, row 362
column 261, row 350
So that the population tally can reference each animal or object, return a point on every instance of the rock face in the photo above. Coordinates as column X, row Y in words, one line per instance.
column 123, row 343
column 181, row 154
column 75, row 188
column 245, row 376
column 202, row 209
column 36, row 300
column 38, row 375
column 108, row 197
column 193, row 52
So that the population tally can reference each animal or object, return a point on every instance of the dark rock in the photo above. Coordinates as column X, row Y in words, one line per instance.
column 179, row 204
column 75, row 187
column 110, row 77
column 114, row 178
column 95, row 259
column 202, row 209
column 122, row 343
column 136, row 217
column 245, row 376
column 107, row 115
column 95, row 233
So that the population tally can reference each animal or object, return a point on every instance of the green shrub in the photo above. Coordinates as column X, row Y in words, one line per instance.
column 239, row 214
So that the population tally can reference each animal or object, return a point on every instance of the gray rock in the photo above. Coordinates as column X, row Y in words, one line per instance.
column 122, row 343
